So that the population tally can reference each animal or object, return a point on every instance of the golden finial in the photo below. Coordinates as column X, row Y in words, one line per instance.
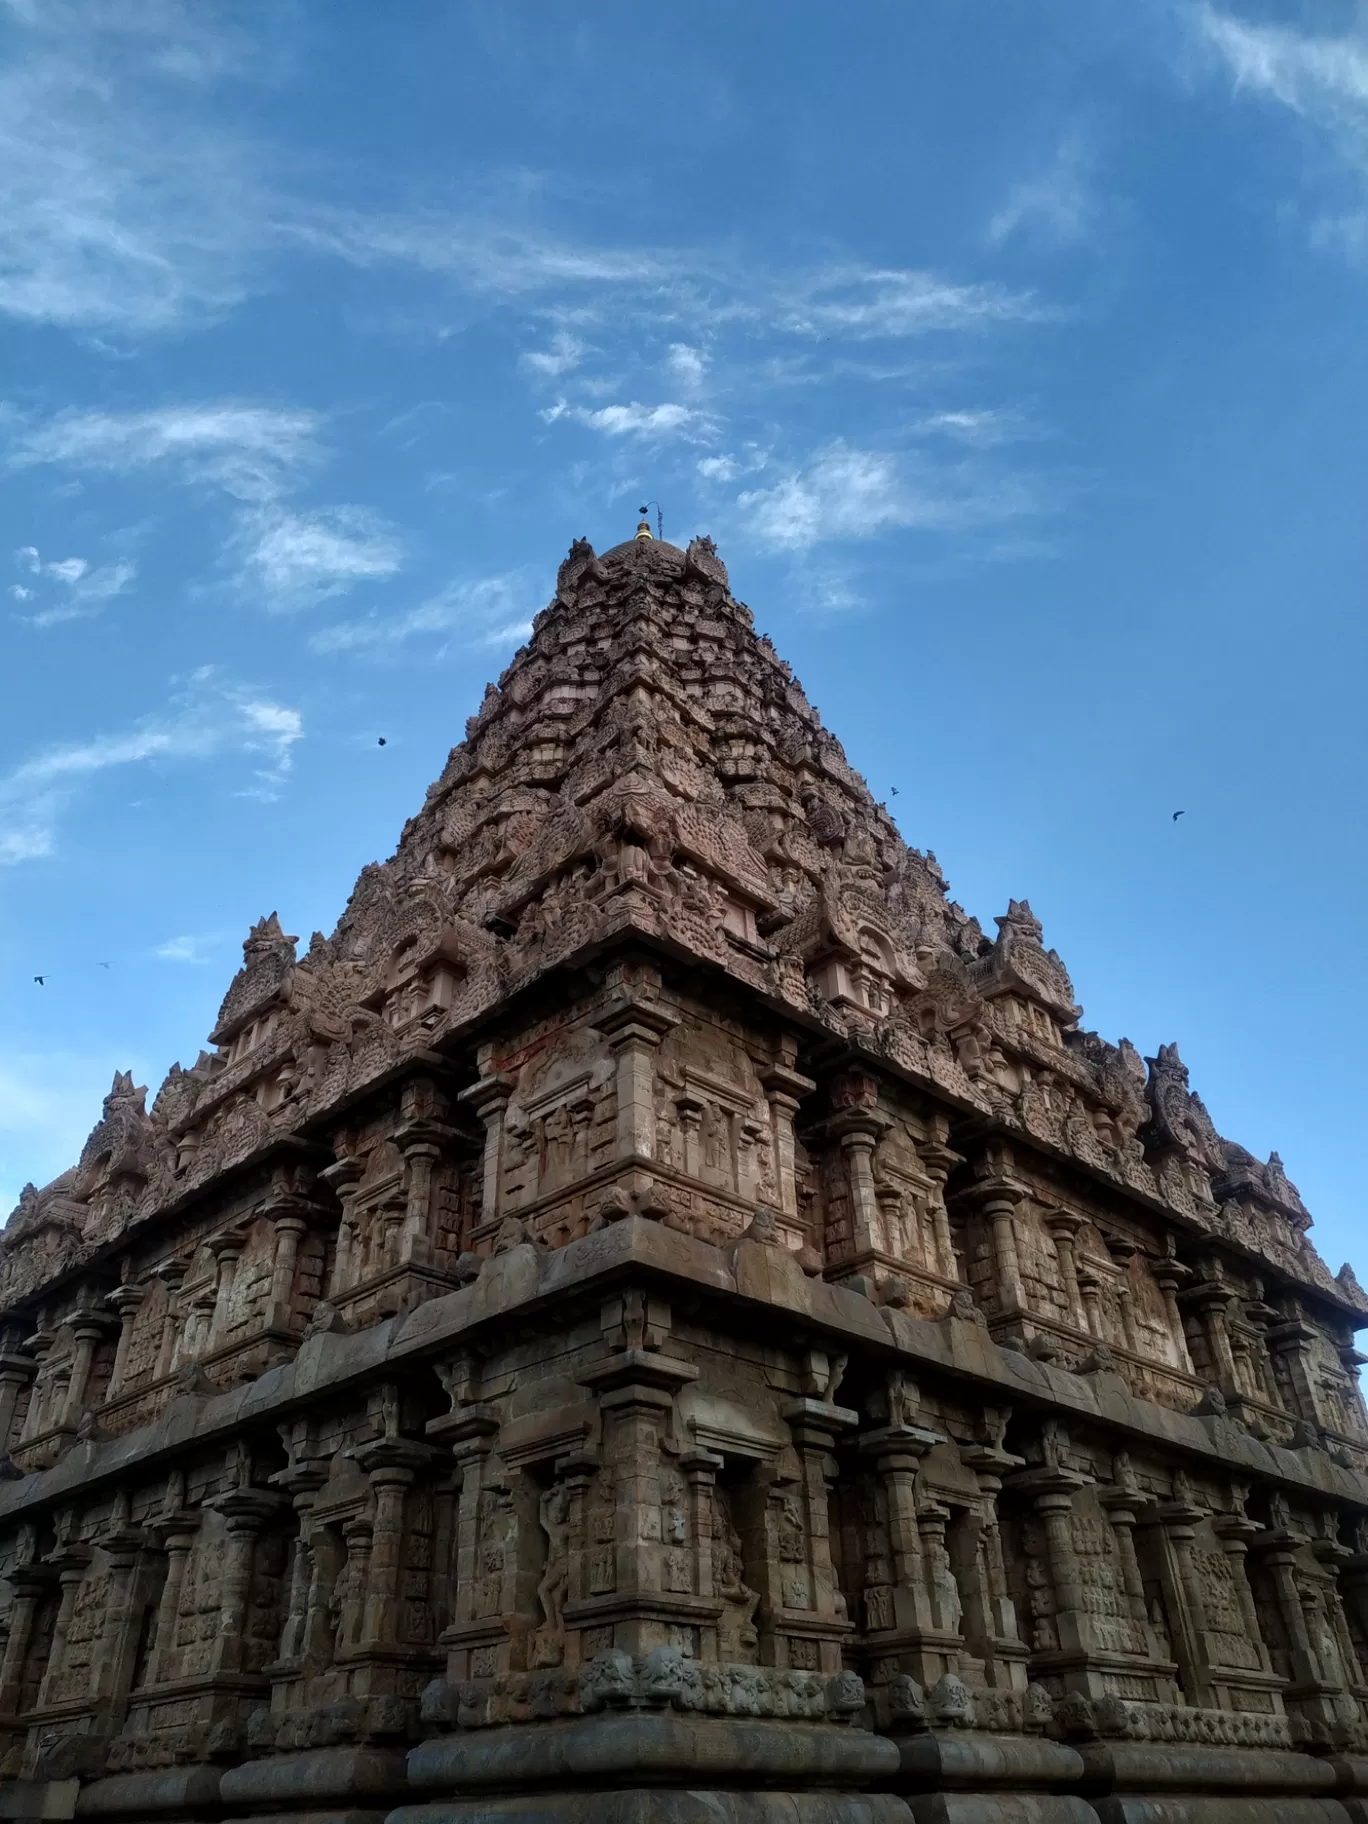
column 643, row 531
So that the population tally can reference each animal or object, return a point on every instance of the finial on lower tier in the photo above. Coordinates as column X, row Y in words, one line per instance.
column 643, row 531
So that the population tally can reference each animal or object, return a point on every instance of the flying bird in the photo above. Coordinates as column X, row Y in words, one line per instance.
column 1178, row 814
column 381, row 741
column 895, row 791
column 104, row 965
column 40, row 981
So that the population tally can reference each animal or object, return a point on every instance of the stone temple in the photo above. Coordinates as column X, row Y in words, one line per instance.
column 661, row 1317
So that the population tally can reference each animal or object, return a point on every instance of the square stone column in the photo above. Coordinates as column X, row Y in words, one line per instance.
column 634, row 1027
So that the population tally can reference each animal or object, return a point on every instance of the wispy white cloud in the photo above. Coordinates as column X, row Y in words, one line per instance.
column 296, row 559
column 122, row 208
column 1323, row 77
column 980, row 427
column 868, row 303
column 847, row 493
column 1320, row 78
column 486, row 611
column 732, row 465
column 1055, row 207
column 251, row 451
column 695, row 288
column 650, row 423
column 74, row 590
column 182, row 950
column 564, row 355
column 688, row 366
column 205, row 720
column 482, row 253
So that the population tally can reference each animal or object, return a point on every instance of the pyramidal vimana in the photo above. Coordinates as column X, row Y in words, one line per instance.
column 660, row 1316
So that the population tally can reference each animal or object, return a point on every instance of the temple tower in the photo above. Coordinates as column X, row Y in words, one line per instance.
column 661, row 1316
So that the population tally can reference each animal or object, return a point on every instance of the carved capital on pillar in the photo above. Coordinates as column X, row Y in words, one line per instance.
column 783, row 1084
column 899, row 1447
column 998, row 1195
column 393, row 1460
column 246, row 1510
column 940, row 1160
column 1062, row 1224
column 487, row 1096
column 124, row 1301
column 630, row 1018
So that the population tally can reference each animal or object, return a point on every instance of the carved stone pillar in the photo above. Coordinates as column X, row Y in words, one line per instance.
column 70, row 1563
column 1090, row 1291
column 356, row 1535
column 488, row 1098
column 699, row 1469
column 1178, row 1520
column 177, row 1531
column 301, row 1482
column 124, row 1301
column 1209, row 1298
column 859, row 1131
column 290, row 1230
column 16, row 1371
column 31, row 1583
column 469, row 1429
column 814, row 1427
column 689, row 1113
column 1171, row 1276
column 1062, row 1226
column 1053, row 1492
column 1235, row 1532
column 634, row 1028
column 997, row 1635
column 344, row 1176
column 636, row 1389
column 1123, row 1253
column 784, row 1089
column 1279, row 1551
column 38, row 1348
column 87, row 1331
column 947, row 1615
column 939, row 1161
column 1291, row 1342
column 115, row 1662
column 245, row 1511
column 393, row 1465
column 896, row 1452
column 998, row 1197
column 1120, row 1502
column 421, row 1155
column 172, row 1276
column 227, row 1251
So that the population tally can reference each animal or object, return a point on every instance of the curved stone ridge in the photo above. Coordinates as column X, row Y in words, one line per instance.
column 660, row 1287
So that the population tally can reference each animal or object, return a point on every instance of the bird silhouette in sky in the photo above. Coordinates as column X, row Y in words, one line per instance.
column 381, row 741
column 1178, row 814
column 104, row 965
column 895, row 791
column 40, row 981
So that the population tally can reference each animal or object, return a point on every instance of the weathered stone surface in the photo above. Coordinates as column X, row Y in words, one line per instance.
column 659, row 1316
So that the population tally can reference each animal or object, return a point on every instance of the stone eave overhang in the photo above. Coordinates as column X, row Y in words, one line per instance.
column 772, row 1292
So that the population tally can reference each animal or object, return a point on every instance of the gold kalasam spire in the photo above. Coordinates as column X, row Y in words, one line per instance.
column 644, row 529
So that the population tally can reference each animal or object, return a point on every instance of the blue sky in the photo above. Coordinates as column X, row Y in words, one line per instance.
column 1014, row 355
